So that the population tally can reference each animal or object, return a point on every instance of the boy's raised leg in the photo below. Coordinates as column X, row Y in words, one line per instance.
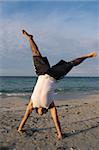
column 79, row 60
column 35, row 50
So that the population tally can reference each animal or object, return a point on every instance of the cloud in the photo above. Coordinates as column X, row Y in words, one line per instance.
column 59, row 35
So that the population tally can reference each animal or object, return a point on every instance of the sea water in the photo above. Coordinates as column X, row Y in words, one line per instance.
column 23, row 86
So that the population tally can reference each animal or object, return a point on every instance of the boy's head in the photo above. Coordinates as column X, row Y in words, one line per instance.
column 41, row 110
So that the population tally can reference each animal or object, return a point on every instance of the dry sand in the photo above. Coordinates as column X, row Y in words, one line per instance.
column 39, row 131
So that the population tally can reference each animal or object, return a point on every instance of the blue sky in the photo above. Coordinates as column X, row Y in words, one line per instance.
column 62, row 30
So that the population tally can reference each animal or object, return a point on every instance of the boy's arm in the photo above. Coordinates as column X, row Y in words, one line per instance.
column 55, row 119
column 26, row 115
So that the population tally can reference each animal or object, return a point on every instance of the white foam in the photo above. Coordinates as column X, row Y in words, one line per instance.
column 14, row 94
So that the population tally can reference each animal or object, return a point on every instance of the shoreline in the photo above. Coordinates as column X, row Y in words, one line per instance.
column 80, row 115
column 60, row 95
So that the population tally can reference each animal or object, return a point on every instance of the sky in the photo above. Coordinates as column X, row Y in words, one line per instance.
column 61, row 29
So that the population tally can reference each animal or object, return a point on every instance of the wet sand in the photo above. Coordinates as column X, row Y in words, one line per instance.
column 80, row 115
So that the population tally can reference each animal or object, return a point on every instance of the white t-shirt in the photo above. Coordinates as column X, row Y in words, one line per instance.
column 43, row 94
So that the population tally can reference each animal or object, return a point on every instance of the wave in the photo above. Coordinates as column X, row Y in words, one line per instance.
column 59, row 91
column 14, row 94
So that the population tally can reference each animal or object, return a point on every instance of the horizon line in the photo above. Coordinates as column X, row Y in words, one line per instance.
column 37, row 76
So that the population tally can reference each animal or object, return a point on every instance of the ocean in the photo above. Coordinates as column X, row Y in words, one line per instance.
column 23, row 86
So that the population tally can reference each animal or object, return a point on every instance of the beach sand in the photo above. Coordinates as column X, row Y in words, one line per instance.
column 80, row 115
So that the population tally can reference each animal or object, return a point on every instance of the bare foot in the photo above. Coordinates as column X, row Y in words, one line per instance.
column 27, row 35
column 92, row 54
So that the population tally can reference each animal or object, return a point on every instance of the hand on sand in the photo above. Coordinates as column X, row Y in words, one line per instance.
column 19, row 131
column 27, row 35
column 59, row 136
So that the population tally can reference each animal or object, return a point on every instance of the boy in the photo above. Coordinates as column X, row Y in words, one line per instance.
column 42, row 96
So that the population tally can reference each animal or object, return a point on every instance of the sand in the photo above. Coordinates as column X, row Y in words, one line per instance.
column 80, row 115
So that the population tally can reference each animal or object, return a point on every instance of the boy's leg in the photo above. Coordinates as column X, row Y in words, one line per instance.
column 59, row 70
column 35, row 50
column 79, row 60
column 41, row 63
column 26, row 115
column 56, row 120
